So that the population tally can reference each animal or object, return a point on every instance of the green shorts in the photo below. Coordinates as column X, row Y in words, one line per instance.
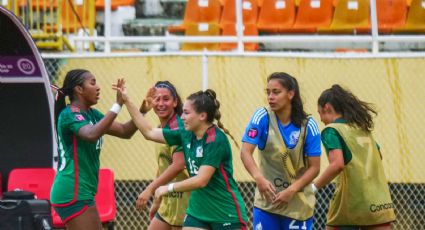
column 191, row 221
column 69, row 212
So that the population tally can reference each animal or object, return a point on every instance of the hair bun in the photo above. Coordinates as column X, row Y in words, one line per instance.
column 210, row 93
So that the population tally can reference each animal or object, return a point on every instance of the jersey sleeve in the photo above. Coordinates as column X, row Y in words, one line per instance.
column 331, row 139
column 216, row 152
column 312, row 147
column 172, row 137
column 99, row 116
column 73, row 121
column 256, row 130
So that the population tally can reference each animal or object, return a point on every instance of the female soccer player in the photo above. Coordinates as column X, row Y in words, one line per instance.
column 215, row 201
column 168, row 212
column 289, row 157
column 362, row 198
column 79, row 130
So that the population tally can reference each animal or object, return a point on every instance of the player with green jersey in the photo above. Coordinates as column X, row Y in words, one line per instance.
column 79, row 130
column 215, row 201
column 362, row 198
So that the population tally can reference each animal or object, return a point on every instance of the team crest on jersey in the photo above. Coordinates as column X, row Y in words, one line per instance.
column 188, row 146
column 252, row 132
column 199, row 151
column 79, row 117
column 293, row 137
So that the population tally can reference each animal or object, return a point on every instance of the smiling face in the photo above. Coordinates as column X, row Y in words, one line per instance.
column 192, row 120
column 164, row 103
column 89, row 91
column 278, row 96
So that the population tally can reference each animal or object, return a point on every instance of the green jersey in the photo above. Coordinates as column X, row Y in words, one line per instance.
column 78, row 167
column 219, row 201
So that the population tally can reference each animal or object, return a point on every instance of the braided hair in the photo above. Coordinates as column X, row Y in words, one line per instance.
column 206, row 101
column 73, row 78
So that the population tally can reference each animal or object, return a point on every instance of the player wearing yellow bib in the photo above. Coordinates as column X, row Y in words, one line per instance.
column 215, row 201
column 362, row 198
column 288, row 161
column 79, row 130
column 168, row 212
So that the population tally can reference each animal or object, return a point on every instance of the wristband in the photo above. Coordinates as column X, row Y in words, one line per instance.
column 171, row 187
column 116, row 108
column 313, row 186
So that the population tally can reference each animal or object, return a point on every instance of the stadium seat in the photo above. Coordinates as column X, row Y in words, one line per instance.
column 391, row 14
column 201, row 29
column 105, row 197
column 230, row 30
column 249, row 12
column 198, row 11
column 276, row 15
column 86, row 15
column 312, row 14
column 350, row 16
column 37, row 180
column 415, row 22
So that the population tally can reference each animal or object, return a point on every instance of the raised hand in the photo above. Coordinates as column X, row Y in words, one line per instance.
column 148, row 101
column 122, row 95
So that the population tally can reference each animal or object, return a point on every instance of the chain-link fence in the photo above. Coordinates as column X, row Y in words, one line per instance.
column 395, row 87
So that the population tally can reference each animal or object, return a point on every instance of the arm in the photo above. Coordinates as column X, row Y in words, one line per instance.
column 265, row 187
column 312, row 171
column 170, row 173
column 153, row 134
column 148, row 132
column 128, row 129
column 121, row 130
column 199, row 181
column 336, row 165
column 93, row 132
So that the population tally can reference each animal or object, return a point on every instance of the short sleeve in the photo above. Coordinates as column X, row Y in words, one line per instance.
column 98, row 115
column 217, row 152
column 312, row 147
column 172, row 137
column 73, row 121
column 256, row 130
column 331, row 139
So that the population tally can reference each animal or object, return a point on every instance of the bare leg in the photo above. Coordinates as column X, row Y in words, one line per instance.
column 89, row 220
column 158, row 224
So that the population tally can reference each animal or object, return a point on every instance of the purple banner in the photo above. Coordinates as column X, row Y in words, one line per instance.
column 19, row 66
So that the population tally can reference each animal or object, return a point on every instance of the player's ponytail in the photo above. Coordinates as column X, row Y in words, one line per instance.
column 352, row 109
column 206, row 101
column 73, row 78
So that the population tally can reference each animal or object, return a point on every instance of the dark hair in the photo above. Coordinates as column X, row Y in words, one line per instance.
column 298, row 115
column 73, row 78
column 206, row 101
column 166, row 84
column 352, row 109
